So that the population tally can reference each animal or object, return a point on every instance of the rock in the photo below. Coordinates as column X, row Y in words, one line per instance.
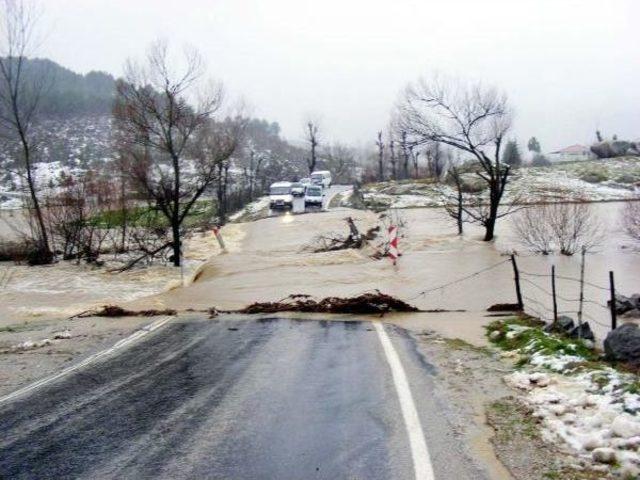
column 635, row 300
column 633, row 313
column 582, row 331
column 625, row 426
column 604, row 455
column 602, row 150
column 495, row 335
column 623, row 304
column 518, row 380
column 609, row 149
column 564, row 324
column 623, row 343
column 540, row 379
column 629, row 470
column 592, row 441
column 65, row 334
column 558, row 410
column 590, row 344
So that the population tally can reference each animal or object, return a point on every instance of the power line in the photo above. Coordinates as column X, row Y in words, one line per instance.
column 459, row 280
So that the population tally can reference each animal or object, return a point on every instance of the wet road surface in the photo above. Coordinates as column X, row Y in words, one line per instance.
column 235, row 399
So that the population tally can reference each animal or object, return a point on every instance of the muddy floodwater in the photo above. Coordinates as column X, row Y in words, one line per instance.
column 271, row 258
column 273, row 261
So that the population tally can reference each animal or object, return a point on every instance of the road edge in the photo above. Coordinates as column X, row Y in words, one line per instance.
column 120, row 345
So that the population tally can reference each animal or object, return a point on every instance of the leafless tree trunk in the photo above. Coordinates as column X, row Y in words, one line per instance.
column 393, row 160
column 172, row 142
column 405, row 154
column 254, row 171
column 20, row 98
column 380, row 145
column 414, row 158
column 455, row 208
column 312, row 130
column 471, row 118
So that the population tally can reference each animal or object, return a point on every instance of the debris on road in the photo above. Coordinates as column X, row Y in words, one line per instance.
column 115, row 311
column 333, row 242
column 377, row 302
column 504, row 307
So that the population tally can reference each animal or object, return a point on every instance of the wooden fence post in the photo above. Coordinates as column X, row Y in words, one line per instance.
column 581, row 298
column 612, row 287
column 516, row 276
column 553, row 290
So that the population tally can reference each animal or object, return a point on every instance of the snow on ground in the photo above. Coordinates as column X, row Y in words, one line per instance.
column 612, row 179
column 251, row 210
column 591, row 411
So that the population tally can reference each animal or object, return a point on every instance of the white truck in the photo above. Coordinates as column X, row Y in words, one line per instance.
column 280, row 195
column 321, row 177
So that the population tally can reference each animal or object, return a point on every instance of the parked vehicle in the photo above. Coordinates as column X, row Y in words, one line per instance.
column 321, row 177
column 314, row 195
column 297, row 189
column 280, row 195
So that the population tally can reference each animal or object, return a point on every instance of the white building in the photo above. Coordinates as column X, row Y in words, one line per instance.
column 571, row 153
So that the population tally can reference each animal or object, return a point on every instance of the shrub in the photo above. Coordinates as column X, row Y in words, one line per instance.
column 594, row 175
column 540, row 160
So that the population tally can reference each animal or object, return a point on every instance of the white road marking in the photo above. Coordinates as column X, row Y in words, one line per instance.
column 419, row 452
column 66, row 371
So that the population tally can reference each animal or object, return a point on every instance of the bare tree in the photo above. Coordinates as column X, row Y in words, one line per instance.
column 393, row 160
column 340, row 159
column 311, row 133
column 20, row 98
column 380, row 145
column 565, row 227
column 471, row 118
column 631, row 219
column 161, row 113
column 533, row 230
column 252, row 171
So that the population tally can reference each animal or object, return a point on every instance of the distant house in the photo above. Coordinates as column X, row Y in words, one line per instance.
column 571, row 153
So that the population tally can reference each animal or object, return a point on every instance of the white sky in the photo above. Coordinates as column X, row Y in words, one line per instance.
column 568, row 66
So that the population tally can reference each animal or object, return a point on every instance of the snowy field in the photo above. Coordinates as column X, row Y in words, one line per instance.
column 594, row 181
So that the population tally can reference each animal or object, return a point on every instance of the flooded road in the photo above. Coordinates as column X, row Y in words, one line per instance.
column 273, row 398
column 271, row 258
column 274, row 260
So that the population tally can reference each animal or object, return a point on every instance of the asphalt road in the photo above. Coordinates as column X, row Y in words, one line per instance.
column 237, row 399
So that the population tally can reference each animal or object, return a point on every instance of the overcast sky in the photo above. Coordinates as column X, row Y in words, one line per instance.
column 568, row 66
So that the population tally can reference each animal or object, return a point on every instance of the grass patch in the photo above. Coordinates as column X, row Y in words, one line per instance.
column 459, row 344
column 632, row 387
column 146, row 216
column 527, row 336
column 510, row 419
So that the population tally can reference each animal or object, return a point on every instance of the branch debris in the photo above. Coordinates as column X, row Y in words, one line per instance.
column 377, row 302
column 115, row 311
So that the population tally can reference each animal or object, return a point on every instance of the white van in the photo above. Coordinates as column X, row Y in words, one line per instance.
column 321, row 177
column 280, row 195
column 314, row 195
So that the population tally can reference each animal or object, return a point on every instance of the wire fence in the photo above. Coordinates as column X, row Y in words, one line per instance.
column 545, row 304
column 538, row 295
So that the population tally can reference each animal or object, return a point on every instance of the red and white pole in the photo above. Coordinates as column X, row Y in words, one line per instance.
column 393, row 243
